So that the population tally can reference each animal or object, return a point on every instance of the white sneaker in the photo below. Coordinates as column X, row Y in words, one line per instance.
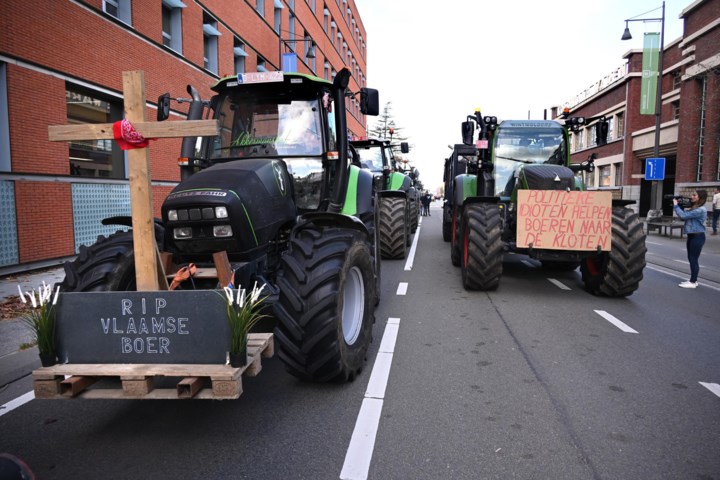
column 688, row 284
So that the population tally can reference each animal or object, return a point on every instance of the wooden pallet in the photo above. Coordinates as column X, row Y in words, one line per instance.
column 220, row 382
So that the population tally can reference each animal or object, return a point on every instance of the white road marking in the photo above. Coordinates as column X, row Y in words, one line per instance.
column 559, row 284
column 402, row 288
column 652, row 243
column 615, row 321
column 362, row 442
column 684, row 262
column 413, row 248
column 713, row 387
column 18, row 402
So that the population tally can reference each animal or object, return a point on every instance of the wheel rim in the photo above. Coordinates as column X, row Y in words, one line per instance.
column 353, row 305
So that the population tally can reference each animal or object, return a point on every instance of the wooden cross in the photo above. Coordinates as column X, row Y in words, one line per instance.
column 149, row 276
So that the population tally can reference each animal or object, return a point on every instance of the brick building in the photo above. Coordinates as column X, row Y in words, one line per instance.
column 690, row 117
column 61, row 62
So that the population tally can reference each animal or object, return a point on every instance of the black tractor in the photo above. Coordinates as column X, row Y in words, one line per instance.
column 517, row 163
column 277, row 191
column 397, row 207
column 455, row 165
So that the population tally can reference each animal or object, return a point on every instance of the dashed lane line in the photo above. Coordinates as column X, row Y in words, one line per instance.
column 559, row 284
column 615, row 321
column 402, row 288
column 413, row 248
column 713, row 387
column 362, row 442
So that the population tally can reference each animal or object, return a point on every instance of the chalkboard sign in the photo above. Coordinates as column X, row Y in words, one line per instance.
column 143, row 327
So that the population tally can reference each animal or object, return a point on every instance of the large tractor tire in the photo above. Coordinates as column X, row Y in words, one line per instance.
column 413, row 215
column 482, row 247
column 371, row 223
column 325, row 311
column 106, row 266
column 447, row 231
column 394, row 230
column 617, row 273
column 455, row 239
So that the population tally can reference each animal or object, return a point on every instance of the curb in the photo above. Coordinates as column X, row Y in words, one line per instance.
column 17, row 365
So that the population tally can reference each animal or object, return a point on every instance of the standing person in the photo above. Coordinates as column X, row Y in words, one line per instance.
column 716, row 210
column 695, row 219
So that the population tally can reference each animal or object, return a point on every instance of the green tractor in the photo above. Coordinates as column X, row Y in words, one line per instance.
column 520, row 164
column 397, row 206
column 276, row 190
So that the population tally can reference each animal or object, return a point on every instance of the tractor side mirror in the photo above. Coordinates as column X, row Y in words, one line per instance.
column 163, row 107
column 404, row 147
column 369, row 101
column 468, row 129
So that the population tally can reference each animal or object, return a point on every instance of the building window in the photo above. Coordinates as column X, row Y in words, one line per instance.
column 120, row 9
column 676, row 110
column 618, row 174
column 677, row 80
column 240, row 54
column 332, row 32
column 5, row 163
column 93, row 158
column 604, row 172
column 278, row 16
column 260, row 7
column 326, row 74
column 312, row 5
column 210, row 43
column 172, row 24
column 611, row 129
column 620, row 124
column 579, row 144
column 326, row 19
column 261, row 65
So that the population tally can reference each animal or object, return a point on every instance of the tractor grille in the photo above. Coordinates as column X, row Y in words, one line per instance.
column 549, row 177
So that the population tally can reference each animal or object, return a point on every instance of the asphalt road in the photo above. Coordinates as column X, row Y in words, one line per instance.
column 533, row 380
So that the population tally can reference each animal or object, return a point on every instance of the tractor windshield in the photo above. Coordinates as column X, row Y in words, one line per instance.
column 254, row 126
column 371, row 158
column 522, row 143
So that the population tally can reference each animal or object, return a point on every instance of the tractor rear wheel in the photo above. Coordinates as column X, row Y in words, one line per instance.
column 393, row 227
column 325, row 311
column 455, row 240
column 413, row 215
column 617, row 273
column 106, row 266
column 482, row 247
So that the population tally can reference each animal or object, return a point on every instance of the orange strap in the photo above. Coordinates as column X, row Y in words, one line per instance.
column 183, row 274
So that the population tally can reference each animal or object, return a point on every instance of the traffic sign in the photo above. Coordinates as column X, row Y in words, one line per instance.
column 655, row 168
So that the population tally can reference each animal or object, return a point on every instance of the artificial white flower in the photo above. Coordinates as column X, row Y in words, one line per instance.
column 229, row 295
column 57, row 292
column 22, row 297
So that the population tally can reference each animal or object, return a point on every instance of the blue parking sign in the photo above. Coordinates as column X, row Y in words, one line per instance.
column 655, row 168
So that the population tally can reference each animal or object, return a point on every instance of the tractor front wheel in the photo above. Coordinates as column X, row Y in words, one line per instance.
column 394, row 231
column 326, row 310
column 617, row 273
column 482, row 247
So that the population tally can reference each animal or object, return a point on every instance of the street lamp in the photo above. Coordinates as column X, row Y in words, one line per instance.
column 309, row 53
column 655, row 198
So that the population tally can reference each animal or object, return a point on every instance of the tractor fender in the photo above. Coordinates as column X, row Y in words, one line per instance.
column 331, row 219
column 392, row 193
column 465, row 186
column 126, row 221
column 399, row 181
column 358, row 196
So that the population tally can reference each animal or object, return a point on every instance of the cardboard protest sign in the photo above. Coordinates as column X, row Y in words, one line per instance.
column 562, row 220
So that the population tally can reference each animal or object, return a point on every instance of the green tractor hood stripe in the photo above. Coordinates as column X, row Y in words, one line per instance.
column 252, row 229
column 350, row 204
column 396, row 181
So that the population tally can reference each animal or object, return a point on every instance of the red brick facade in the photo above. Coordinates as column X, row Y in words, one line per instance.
column 45, row 46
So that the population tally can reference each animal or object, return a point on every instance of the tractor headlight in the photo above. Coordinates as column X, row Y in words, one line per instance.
column 221, row 212
column 222, row 231
column 182, row 233
column 172, row 215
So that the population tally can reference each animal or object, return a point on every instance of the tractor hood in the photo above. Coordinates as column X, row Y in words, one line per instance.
column 257, row 199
